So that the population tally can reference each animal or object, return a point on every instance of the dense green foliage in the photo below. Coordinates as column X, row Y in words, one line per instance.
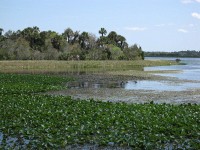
column 54, row 122
column 33, row 44
column 188, row 53
column 29, row 84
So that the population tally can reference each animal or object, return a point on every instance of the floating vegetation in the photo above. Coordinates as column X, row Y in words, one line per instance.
column 54, row 122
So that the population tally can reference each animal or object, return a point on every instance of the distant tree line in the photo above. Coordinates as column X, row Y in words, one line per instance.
column 33, row 44
column 188, row 53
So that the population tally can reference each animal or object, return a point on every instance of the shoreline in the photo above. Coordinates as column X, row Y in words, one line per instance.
column 130, row 96
column 118, row 71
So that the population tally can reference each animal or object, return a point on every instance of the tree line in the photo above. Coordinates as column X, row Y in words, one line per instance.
column 33, row 44
column 187, row 53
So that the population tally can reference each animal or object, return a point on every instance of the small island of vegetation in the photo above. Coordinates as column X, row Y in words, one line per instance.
column 188, row 53
column 33, row 44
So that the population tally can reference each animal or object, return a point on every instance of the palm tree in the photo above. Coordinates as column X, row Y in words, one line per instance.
column 102, row 31
column 83, row 39
column 68, row 34
column 76, row 35
column 120, row 40
column 112, row 36
column 31, row 34
column 102, row 41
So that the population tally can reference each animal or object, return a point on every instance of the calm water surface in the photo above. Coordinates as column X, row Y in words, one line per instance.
column 190, row 71
column 160, row 86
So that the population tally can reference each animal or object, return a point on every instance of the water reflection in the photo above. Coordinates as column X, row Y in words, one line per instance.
column 96, row 85
column 136, row 85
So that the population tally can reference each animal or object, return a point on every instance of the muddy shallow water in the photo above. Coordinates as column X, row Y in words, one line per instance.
column 135, row 85
column 133, row 96
column 173, row 84
column 133, row 90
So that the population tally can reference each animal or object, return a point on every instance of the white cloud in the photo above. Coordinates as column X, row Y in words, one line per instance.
column 189, row 1
column 183, row 30
column 135, row 28
column 196, row 15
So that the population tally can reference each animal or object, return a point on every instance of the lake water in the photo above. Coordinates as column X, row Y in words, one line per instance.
column 189, row 71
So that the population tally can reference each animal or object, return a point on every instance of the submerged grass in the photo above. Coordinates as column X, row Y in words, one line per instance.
column 50, row 122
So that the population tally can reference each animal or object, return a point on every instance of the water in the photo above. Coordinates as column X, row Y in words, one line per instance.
column 160, row 86
column 97, row 85
column 190, row 71
column 137, row 85
column 14, row 142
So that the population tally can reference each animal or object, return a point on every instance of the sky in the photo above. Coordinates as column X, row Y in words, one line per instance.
column 155, row 25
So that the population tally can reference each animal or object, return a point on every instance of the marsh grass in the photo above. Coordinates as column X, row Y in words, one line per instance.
column 140, row 74
column 51, row 66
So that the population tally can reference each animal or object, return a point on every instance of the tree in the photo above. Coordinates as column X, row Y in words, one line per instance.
column 22, row 49
column 10, row 34
column 57, row 41
column 115, row 52
column 30, row 43
column 134, row 52
column 76, row 36
column 83, row 38
column 74, row 53
column 102, row 41
column 102, row 31
column 1, row 31
column 2, row 38
column 68, row 34
column 92, row 41
column 32, row 36
column 112, row 37
column 120, row 40
column 96, row 54
column 16, row 49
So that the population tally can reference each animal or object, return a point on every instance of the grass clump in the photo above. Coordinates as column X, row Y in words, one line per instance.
column 49, row 122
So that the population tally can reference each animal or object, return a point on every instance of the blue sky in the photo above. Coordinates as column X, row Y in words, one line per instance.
column 156, row 25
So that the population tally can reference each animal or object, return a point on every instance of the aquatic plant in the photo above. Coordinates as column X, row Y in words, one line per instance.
column 54, row 122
